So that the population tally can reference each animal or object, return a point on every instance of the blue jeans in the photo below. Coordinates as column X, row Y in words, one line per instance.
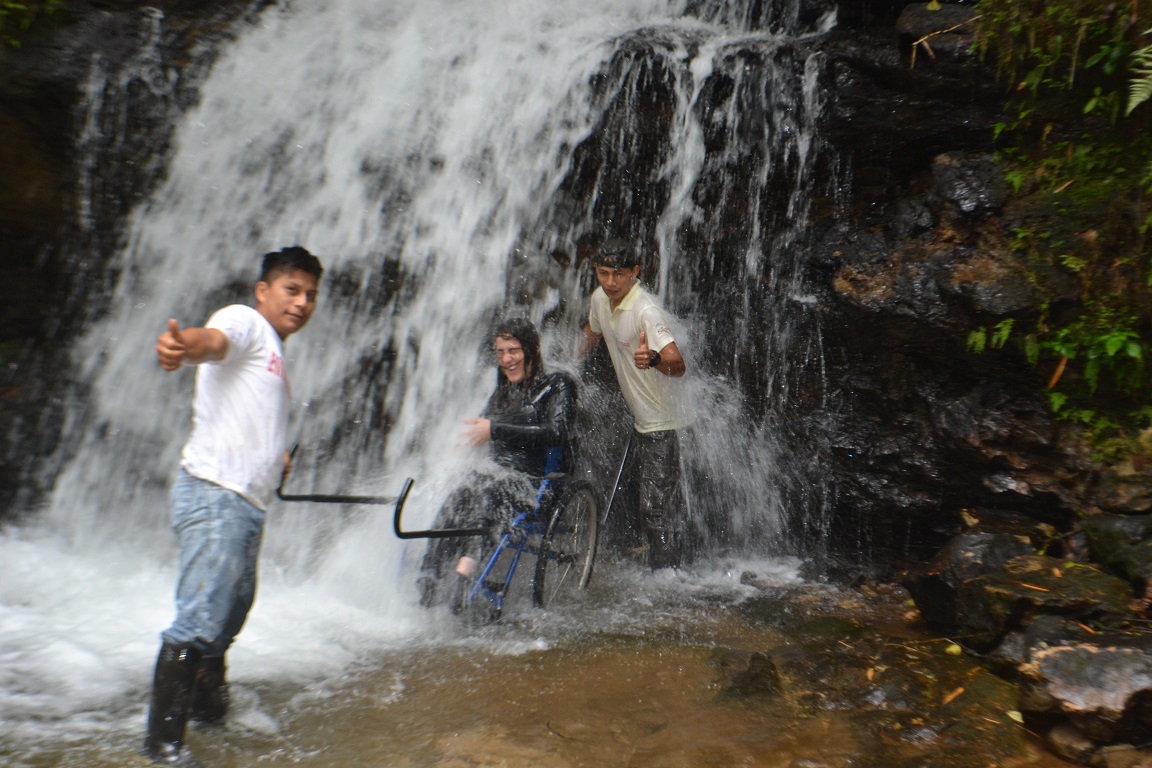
column 219, row 534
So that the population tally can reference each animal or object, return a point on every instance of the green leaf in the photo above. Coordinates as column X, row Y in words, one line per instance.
column 1092, row 373
column 1140, row 86
column 978, row 340
column 1031, row 349
column 1001, row 332
column 1114, row 344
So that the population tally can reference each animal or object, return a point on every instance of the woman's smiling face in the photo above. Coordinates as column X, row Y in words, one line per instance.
column 510, row 358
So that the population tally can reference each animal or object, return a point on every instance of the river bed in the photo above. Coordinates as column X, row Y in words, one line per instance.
column 634, row 676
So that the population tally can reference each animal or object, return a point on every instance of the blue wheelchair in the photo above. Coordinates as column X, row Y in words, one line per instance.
column 560, row 532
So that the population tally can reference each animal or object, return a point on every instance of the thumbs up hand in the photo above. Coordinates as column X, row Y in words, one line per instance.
column 643, row 355
column 170, row 347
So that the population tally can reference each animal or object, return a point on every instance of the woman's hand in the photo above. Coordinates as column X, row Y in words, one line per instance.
column 478, row 432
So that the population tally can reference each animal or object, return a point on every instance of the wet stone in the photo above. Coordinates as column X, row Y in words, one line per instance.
column 1065, row 740
column 990, row 606
column 973, row 182
column 745, row 674
column 1105, row 691
column 966, row 556
column 1123, row 543
column 910, row 702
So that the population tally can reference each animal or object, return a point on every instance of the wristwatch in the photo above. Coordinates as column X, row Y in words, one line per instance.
column 654, row 360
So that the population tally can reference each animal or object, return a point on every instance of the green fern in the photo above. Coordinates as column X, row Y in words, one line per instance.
column 978, row 340
column 1140, row 86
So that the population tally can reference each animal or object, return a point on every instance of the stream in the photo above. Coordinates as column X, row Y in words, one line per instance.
column 637, row 674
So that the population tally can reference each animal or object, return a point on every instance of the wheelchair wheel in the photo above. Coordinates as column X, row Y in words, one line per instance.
column 568, row 548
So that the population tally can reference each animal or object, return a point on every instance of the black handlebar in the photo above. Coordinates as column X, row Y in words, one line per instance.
column 328, row 498
column 435, row 533
column 331, row 498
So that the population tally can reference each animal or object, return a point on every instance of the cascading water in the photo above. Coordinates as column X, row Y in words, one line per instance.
column 442, row 159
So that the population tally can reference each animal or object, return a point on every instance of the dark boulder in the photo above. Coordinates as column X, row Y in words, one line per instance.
column 990, row 606
column 973, row 553
column 1122, row 543
column 1104, row 690
column 971, row 182
column 944, row 32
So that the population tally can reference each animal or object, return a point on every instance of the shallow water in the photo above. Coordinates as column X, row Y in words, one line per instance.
column 630, row 677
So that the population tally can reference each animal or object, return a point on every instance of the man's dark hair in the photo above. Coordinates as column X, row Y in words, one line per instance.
column 521, row 329
column 616, row 253
column 287, row 259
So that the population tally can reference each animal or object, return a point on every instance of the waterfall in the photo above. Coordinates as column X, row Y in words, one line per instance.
column 442, row 159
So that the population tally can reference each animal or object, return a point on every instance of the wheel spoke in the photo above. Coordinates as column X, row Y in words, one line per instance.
column 568, row 549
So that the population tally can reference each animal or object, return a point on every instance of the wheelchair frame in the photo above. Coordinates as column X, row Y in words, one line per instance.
column 561, row 532
column 563, row 537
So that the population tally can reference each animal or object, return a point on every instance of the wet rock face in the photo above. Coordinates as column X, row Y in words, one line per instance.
column 926, row 425
column 905, row 262
column 60, row 220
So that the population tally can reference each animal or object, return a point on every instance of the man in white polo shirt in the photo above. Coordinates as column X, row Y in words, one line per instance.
column 229, row 470
column 647, row 362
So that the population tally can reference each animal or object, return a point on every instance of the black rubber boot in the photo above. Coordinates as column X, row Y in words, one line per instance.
column 210, row 692
column 176, row 668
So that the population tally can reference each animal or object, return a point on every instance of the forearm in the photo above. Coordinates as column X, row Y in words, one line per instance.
column 558, row 411
column 671, row 361
column 202, row 345
column 526, row 435
column 588, row 341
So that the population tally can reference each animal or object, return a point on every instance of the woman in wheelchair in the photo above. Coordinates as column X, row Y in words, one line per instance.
column 529, row 414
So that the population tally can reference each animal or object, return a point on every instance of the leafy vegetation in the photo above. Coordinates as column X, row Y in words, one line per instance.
column 17, row 17
column 1085, row 242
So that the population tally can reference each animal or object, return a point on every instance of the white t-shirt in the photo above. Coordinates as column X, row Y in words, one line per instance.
column 653, row 398
column 240, row 409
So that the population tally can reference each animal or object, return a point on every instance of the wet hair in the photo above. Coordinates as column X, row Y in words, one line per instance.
column 521, row 329
column 616, row 253
column 287, row 259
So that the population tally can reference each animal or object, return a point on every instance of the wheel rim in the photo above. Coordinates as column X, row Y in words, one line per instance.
column 565, row 565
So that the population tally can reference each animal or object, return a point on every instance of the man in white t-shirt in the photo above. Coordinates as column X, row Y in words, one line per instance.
column 230, row 469
column 647, row 361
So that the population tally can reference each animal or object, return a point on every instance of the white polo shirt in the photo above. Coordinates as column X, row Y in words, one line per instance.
column 240, row 409
column 654, row 399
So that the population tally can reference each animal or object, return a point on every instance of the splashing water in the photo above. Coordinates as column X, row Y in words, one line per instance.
column 436, row 156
